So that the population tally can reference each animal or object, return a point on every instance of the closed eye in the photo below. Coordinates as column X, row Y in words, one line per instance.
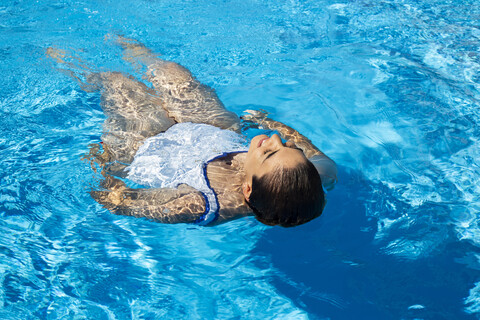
column 292, row 145
column 271, row 154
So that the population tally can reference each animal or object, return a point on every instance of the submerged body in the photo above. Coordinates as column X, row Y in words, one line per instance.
column 135, row 113
column 181, row 156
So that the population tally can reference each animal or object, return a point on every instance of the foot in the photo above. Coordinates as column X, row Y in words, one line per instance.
column 56, row 54
column 135, row 52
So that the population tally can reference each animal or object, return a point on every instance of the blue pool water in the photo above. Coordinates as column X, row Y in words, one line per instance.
column 389, row 89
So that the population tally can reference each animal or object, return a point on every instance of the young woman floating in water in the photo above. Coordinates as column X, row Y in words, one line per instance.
column 180, row 141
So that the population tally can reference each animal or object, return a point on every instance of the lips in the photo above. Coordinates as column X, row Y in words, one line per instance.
column 261, row 142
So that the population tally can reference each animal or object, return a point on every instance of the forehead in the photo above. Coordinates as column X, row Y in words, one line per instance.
column 286, row 158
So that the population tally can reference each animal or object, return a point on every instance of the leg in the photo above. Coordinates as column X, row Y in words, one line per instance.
column 185, row 98
column 134, row 112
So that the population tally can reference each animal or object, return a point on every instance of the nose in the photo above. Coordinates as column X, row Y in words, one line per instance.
column 275, row 141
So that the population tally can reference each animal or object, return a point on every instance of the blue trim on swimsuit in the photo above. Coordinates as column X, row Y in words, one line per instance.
column 324, row 190
column 203, row 219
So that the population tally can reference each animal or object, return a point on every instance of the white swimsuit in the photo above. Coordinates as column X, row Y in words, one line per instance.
column 180, row 155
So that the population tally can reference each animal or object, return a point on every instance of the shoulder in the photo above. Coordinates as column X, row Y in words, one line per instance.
column 327, row 168
column 225, row 175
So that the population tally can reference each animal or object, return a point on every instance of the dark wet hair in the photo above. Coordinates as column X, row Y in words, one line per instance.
column 287, row 196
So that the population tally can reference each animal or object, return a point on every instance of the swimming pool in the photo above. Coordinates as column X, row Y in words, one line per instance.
column 390, row 90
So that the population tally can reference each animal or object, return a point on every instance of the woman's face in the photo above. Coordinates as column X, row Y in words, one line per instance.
column 266, row 154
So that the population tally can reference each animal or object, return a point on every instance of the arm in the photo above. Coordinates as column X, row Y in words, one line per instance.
column 326, row 167
column 181, row 205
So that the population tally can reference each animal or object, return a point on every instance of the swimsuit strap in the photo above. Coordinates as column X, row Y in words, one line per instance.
column 211, row 215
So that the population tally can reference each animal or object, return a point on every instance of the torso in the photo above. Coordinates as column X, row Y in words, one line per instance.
column 180, row 156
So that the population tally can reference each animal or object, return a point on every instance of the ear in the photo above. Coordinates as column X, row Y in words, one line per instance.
column 247, row 190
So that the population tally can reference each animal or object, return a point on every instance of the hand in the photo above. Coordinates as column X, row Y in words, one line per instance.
column 254, row 117
column 113, row 184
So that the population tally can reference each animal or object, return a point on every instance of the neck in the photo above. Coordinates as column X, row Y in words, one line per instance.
column 226, row 176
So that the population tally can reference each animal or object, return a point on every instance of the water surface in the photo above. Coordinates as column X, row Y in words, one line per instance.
column 390, row 90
